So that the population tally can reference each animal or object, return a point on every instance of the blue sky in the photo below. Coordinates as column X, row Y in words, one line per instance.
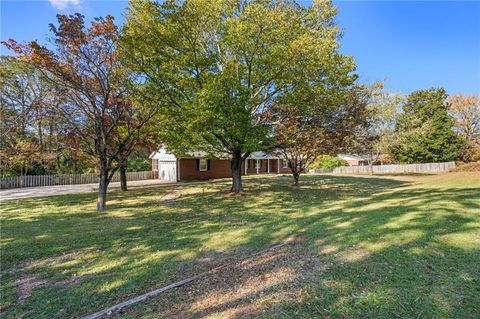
column 412, row 44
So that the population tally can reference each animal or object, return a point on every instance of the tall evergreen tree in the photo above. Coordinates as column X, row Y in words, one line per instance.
column 425, row 129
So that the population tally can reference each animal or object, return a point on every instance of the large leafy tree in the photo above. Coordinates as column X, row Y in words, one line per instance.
column 218, row 67
column 425, row 129
column 83, row 63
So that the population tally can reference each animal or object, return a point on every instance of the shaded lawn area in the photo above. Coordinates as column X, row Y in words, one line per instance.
column 377, row 247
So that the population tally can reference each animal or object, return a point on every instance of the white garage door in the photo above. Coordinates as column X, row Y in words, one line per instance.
column 167, row 170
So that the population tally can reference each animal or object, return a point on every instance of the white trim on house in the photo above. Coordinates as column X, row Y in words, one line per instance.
column 162, row 155
column 261, row 155
column 178, row 170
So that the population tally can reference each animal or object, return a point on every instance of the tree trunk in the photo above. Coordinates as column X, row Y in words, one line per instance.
column 123, row 175
column 74, row 162
column 295, row 167
column 102, row 190
column 370, row 167
column 296, row 177
column 40, row 137
column 236, row 167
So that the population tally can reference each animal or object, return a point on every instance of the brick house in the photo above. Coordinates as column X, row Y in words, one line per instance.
column 197, row 166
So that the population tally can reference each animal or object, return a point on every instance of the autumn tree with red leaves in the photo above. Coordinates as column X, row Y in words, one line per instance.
column 84, row 65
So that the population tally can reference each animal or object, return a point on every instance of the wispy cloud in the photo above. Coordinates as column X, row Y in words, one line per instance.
column 63, row 4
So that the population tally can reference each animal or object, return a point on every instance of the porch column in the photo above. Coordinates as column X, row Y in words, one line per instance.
column 246, row 166
column 278, row 166
column 258, row 167
column 268, row 165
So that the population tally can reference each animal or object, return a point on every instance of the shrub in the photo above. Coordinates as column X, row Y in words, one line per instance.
column 327, row 161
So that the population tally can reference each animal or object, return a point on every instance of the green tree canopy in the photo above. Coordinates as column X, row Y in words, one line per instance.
column 425, row 129
column 328, row 161
column 219, row 66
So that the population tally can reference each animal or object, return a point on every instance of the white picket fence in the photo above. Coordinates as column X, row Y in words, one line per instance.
column 390, row 169
column 52, row 180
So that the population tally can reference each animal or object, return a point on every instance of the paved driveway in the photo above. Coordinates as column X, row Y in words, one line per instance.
column 27, row 192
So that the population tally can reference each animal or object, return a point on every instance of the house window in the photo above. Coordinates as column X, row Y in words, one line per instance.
column 258, row 164
column 284, row 164
column 203, row 165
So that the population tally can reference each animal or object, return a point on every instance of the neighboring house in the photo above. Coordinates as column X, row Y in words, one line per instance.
column 353, row 160
column 197, row 165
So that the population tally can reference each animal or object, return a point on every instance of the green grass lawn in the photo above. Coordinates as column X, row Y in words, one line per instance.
column 366, row 247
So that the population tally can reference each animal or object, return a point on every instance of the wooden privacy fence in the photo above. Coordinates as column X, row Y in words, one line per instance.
column 388, row 169
column 52, row 180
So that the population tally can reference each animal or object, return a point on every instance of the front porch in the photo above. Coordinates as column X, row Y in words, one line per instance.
column 259, row 163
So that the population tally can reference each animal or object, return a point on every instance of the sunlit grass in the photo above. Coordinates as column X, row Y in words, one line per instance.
column 404, row 246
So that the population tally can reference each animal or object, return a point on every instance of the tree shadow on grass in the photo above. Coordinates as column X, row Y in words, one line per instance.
column 141, row 244
column 414, row 271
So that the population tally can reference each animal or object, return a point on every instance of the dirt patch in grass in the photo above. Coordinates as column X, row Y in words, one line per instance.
column 168, row 199
column 296, row 239
column 26, row 285
column 245, row 289
column 62, row 259
column 233, row 195
column 179, row 315
column 72, row 281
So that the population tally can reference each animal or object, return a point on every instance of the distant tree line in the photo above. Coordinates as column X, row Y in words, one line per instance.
column 424, row 127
